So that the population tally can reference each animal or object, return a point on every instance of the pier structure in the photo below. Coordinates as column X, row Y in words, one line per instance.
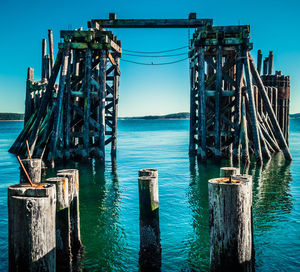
column 235, row 111
column 77, row 117
column 232, row 114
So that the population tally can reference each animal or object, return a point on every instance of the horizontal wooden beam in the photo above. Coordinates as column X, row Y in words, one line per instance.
column 150, row 23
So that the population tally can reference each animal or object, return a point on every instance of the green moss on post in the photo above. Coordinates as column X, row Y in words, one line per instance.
column 150, row 248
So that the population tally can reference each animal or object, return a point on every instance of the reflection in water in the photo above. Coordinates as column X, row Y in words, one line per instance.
column 198, row 256
column 271, row 192
column 101, row 233
column 271, row 200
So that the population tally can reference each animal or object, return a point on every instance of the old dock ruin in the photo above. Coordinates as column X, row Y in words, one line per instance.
column 237, row 108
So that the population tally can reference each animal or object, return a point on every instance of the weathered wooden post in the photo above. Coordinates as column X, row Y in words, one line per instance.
column 102, row 76
column 63, row 225
column 150, row 248
column 44, row 53
column 31, row 224
column 73, row 187
column 226, row 172
column 259, row 60
column 50, row 39
column 28, row 99
column 270, row 68
column 230, row 223
column 33, row 168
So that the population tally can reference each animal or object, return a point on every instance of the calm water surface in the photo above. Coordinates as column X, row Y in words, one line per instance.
column 109, row 201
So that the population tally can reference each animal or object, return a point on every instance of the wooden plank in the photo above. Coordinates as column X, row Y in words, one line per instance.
column 150, row 23
column 115, row 47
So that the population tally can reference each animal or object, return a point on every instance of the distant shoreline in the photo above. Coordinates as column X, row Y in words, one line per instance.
column 173, row 116
column 12, row 120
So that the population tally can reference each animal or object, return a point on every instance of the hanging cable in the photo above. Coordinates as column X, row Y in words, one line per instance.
column 161, row 56
column 162, row 63
column 141, row 52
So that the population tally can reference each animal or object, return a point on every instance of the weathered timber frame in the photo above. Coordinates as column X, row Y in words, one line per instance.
column 226, row 117
column 77, row 117
column 234, row 111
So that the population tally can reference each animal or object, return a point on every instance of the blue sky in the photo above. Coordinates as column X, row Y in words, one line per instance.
column 143, row 89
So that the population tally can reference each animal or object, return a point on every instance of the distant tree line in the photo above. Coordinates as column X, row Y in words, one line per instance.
column 180, row 115
column 11, row 116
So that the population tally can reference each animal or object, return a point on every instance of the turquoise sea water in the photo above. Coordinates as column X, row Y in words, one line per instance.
column 109, row 201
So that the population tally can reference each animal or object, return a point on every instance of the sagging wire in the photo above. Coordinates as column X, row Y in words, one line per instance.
column 161, row 56
column 162, row 63
column 153, row 52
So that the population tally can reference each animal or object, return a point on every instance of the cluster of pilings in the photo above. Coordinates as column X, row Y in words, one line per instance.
column 278, row 87
column 233, row 113
column 43, row 219
column 77, row 117
column 230, row 221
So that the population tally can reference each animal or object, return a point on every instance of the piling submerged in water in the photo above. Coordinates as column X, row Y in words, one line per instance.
column 230, row 223
column 44, row 224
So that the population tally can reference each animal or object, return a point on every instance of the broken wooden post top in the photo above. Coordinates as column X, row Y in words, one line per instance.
column 113, row 22
column 25, row 190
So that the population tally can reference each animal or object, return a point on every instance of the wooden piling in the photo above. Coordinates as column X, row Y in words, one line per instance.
column 150, row 248
column 58, row 106
column 87, row 102
column 255, row 133
column 63, row 225
column 244, row 134
column 51, row 51
column 33, row 168
column 230, row 224
column 44, row 53
column 217, row 104
column 237, row 111
column 259, row 60
column 265, row 66
column 31, row 225
column 192, row 140
column 270, row 64
column 277, row 130
column 115, row 109
column 73, row 189
column 28, row 100
column 102, row 76
column 201, row 106
column 226, row 172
